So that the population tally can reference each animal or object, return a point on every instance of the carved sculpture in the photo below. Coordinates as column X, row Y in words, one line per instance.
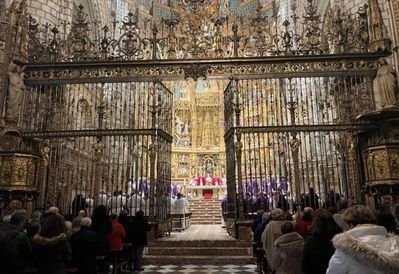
column 16, row 88
column 386, row 84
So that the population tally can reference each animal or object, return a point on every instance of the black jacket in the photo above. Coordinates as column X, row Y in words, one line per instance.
column 20, row 242
column 85, row 244
column 8, row 255
column 137, row 232
column 51, row 254
column 317, row 253
column 102, row 227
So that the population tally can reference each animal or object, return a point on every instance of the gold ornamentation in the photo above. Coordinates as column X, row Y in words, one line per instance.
column 382, row 164
column 18, row 172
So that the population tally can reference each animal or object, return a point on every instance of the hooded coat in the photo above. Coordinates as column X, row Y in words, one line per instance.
column 287, row 257
column 365, row 249
column 51, row 254
column 269, row 235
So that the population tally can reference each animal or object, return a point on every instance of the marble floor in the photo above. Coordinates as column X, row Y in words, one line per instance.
column 204, row 237
column 200, row 232
column 200, row 269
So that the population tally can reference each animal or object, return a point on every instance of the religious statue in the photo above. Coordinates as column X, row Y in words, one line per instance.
column 386, row 84
column 16, row 89
column 209, row 168
column 206, row 140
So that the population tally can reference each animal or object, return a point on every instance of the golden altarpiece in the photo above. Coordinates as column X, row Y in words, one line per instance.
column 306, row 104
column 198, row 159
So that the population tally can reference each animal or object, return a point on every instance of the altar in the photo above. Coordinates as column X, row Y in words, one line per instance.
column 206, row 191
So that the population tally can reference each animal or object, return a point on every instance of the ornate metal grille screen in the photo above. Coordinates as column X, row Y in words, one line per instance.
column 288, row 135
column 103, row 139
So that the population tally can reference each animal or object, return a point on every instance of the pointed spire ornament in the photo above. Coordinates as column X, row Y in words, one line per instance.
column 379, row 40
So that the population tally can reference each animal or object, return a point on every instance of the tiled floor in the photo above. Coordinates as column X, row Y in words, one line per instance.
column 200, row 232
column 203, row 269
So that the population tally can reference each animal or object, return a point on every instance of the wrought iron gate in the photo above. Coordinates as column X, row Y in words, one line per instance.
column 290, row 134
column 95, row 109
column 104, row 143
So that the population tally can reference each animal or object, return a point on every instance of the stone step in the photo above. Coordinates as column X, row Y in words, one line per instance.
column 199, row 243
column 197, row 260
column 200, row 251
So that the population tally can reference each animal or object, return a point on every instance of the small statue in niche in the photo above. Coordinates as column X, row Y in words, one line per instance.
column 16, row 88
column 386, row 84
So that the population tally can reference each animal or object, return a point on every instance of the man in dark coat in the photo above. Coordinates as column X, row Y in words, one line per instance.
column 13, row 231
column 78, row 204
column 137, row 234
column 8, row 255
column 84, row 244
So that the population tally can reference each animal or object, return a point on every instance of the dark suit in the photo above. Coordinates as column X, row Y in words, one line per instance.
column 85, row 245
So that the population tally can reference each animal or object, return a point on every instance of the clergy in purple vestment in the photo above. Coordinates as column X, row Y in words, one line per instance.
column 283, row 185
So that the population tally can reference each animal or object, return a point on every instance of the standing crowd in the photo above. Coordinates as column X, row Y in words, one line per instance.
column 50, row 243
column 348, row 239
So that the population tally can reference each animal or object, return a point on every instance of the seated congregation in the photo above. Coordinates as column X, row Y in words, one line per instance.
column 49, row 243
column 352, row 240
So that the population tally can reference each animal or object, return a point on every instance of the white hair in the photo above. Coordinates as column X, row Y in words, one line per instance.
column 53, row 210
column 7, row 219
column 86, row 221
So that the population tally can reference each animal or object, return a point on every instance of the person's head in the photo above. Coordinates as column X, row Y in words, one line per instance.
column 76, row 223
column 113, row 216
column 18, row 219
column 53, row 210
column 287, row 227
column 311, row 190
column 100, row 211
column 32, row 227
column 259, row 213
column 140, row 214
column 82, row 213
column 86, row 222
column 307, row 214
column 178, row 195
column 7, row 219
column 386, row 219
column 265, row 217
column 53, row 226
column 324, row 224
column 36, row 215
column 342, row 204
column 357, row 215
column 278, row 214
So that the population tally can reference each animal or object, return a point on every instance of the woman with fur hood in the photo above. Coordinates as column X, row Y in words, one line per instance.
column 365, row 247
column 288, row 248
column 50, row 246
